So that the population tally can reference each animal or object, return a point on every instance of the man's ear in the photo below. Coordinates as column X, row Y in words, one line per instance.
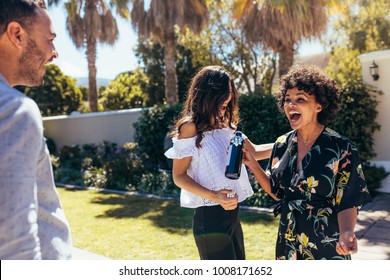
column 319, row 108
column 16, row 34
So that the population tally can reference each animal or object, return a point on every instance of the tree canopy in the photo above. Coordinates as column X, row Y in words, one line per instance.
column 58, row 96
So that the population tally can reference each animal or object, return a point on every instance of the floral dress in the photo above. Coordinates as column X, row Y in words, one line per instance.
column 328, row 180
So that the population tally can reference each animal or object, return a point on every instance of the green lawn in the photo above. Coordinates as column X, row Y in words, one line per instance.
column 139, row 228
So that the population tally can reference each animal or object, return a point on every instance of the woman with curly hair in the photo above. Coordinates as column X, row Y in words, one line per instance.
column 314, row 172
column 200, row 152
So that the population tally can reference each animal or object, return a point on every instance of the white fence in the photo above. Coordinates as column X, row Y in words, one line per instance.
column 92, row 128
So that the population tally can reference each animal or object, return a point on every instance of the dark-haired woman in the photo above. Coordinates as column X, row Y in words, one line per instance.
column 314, row 172
column 200, row 150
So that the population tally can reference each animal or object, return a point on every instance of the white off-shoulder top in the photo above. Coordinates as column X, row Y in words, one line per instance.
column 208, row 165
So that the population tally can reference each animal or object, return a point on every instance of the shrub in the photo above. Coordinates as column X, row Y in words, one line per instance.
column 101, row 166
column 262, row 122
column 357, row 120
column 150, row 132
column 121, row 168
column 159, row 183
column 374, row 175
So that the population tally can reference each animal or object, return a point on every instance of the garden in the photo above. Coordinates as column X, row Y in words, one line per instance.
column 113, row 223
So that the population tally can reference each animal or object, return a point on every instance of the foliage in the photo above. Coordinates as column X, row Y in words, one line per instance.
column 186, row 68
column 357, row 120
column 89, row 22
column 157, row 120
column 374, row 175
column 160, row 183
column 362, row 26
column 151, row 57
column 357, row 117
column 162, row 21
column 344, row 65
column 223, row 44
column 84, row 91
column 102, row 166
column 126, row 91
column 67, row 165
column 262, row 122
column 279, row 25
column 121, row 168
column 59, row 94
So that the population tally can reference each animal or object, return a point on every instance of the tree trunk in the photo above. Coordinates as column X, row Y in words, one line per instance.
column 92, row 90
column 286, row 59
column 170, row 70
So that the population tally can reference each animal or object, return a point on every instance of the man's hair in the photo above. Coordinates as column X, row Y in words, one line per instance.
column 21, row 11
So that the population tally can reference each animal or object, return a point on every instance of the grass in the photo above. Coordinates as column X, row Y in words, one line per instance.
column 139, row 228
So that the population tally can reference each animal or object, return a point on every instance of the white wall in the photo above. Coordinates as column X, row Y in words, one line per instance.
column 382, row 137
column 92, row 128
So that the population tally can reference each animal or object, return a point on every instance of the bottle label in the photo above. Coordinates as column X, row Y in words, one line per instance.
column 236, row 141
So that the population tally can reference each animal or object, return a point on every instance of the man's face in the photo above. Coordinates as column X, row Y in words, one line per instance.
column 39, row 50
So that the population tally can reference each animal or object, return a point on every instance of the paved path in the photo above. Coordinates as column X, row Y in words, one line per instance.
column 372, row 230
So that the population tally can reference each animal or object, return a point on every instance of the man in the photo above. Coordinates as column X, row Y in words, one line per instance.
column 32, row 222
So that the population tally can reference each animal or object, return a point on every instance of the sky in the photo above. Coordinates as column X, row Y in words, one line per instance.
column 112, row 60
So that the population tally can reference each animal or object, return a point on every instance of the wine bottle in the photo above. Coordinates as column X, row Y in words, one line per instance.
column 233, row 166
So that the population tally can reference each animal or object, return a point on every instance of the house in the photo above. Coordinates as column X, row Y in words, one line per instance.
column 382, row 83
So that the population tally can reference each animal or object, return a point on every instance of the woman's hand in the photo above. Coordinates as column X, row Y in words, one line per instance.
column 347, row 239
column 347, row 243
column 228, row 199
column 248, row 159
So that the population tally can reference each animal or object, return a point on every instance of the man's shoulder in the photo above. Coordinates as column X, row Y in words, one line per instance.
column 19, row 112
column 11, row 100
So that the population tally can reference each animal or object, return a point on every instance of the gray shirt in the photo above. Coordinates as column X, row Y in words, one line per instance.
column 32, row 221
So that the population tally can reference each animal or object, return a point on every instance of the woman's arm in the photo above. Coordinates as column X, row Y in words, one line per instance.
column 259, row 152
column 258, row 172
column 347, row 240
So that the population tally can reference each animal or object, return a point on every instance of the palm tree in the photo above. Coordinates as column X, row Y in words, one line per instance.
column 160, row 21
column 89, row 22
column 280, row 25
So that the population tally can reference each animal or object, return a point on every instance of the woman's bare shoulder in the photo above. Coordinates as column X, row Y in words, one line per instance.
column 187, row 130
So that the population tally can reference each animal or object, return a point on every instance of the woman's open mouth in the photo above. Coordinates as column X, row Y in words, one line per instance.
column 294, row 116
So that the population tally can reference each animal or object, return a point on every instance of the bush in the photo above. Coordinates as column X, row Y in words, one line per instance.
column 357, row 120
column 101, row 166
column 51, row 145
column 150, row 132
column 357, row 117
column 117, row 168
column 160, row 183
column 262, row 122
column 374, row 175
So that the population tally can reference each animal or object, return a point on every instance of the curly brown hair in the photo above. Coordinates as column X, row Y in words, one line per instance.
column 312, row 80
column 209, row 89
